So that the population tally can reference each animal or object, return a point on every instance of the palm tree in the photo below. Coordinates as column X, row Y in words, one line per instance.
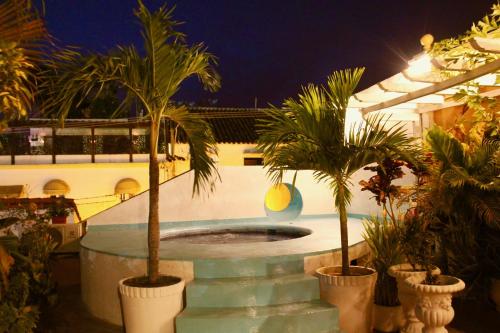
column 466, row 180
column 152, row 80
column 464, row 195
column 309, row 133
column 22, row 35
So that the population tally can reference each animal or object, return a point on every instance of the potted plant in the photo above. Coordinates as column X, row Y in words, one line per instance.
column 310, row 134
column 151, row 78
column 417, row 246
column 382, row 239
column 58, row 212
column 433, row 305
column 409, row 238
column 465, row 180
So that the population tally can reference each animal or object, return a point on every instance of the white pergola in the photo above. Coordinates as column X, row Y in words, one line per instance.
column 423, row 87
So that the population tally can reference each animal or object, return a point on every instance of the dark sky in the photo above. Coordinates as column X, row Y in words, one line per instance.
column 269, row 48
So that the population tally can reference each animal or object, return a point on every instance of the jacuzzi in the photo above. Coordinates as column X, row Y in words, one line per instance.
column 109, row 253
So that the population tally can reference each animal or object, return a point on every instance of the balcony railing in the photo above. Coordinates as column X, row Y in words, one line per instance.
column 99, row 141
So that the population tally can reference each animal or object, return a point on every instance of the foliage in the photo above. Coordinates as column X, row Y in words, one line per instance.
column 102, row 106
column 17, row 315
column 381, row 185
column 463, row 192
column 16, row 94
column 22, row 34
column 466, row 178
column 58, row 208
column 459, row 51
column 464, row 195
column 418, row 242
column 383, row 240
column 152, row 80
column 411, row 238
column 309, row 134
column 26, row 282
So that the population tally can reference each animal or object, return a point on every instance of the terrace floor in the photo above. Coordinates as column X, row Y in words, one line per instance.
column 70, row 315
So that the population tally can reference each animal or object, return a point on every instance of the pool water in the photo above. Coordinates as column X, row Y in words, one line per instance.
column 236, row 235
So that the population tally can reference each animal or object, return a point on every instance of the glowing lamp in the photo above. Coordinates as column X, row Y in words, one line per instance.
column 420, row 65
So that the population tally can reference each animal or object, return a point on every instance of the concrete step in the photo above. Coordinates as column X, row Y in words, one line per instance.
column 248, row 267
column 304, row 317
column 260, row 291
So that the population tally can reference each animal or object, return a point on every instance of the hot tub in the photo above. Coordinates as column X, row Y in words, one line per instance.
column 236, row 248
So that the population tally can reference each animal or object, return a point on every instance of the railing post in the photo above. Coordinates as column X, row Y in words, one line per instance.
column 13, row 145
column 54, row 144
column 131, row 144
column 92, row 144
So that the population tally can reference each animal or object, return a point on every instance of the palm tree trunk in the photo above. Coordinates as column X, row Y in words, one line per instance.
column 153, row 219
column 344, row 241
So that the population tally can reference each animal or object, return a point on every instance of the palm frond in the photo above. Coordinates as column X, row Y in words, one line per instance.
column 445, row 148
column 20, row 24
column 341, row 86
column 169, row 60
column 202, row 146
column 23, row 37
column 375, row 139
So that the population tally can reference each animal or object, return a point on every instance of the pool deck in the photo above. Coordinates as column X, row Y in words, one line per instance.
column 131, row 240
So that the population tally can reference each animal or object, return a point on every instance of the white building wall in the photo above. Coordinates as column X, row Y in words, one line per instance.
column 239, row 194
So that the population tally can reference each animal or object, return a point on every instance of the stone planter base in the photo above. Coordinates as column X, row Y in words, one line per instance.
column 434, row 301
column 407, row 296
column 151, row 310
column 353, row 295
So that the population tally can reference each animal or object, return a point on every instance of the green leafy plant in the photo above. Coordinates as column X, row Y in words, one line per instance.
column 418, row 243
column 26, row 284
column 464, row 195
column 382, row 238
column 58, row 209
column 309, row 134
column 411, row 238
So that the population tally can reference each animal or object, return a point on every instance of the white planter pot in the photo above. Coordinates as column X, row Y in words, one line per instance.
column 495, row 292
column 407, row 296
column 434, row 301
column 388, row 318
column 353, row 295
column 151, row 310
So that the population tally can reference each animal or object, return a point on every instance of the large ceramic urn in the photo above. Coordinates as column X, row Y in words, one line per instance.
column 407, row 296
column 433, row 307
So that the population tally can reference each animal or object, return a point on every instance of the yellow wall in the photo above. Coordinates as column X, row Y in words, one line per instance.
column 92, row 184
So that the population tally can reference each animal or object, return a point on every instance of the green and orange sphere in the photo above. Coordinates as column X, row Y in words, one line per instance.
column 283, row 202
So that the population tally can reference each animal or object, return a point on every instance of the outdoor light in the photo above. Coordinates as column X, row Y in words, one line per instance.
column 420, row 65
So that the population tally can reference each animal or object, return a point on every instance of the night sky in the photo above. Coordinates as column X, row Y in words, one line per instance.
column 269, row 48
